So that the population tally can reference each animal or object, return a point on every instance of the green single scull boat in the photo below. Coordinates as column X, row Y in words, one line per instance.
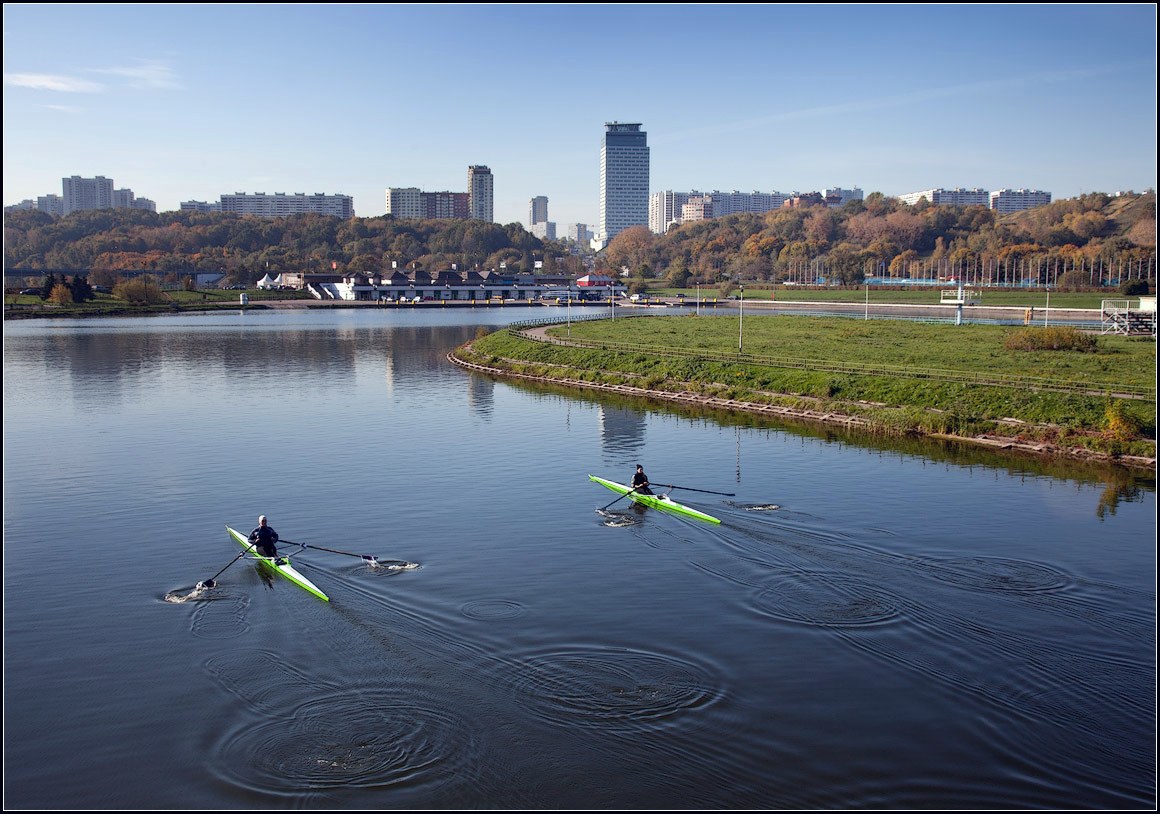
column 663, row 502
column 280, row 565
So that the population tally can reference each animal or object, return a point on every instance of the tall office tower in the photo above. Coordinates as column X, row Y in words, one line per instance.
column 1014, row 200
column 538, row 210
column 480, row 193
column 404, row 202
column 623, row 180
column 87, row 193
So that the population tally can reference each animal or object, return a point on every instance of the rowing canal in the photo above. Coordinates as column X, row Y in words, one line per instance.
column 874, row 624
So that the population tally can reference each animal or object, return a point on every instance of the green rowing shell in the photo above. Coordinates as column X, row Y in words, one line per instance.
column 663, row 502
column 272, row 563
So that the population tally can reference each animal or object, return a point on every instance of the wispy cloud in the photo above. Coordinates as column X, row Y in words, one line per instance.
column 147, row 75
column 59, row 84
column 64, row 108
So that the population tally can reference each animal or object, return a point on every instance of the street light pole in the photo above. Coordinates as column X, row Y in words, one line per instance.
column 741, row 321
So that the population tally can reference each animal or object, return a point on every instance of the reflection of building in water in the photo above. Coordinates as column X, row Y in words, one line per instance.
column 621, row 430
column 481, row 394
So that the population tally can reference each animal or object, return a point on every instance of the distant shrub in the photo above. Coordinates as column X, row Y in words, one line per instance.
column 1058, row 338
column 1134, row 288
column 1118, row 425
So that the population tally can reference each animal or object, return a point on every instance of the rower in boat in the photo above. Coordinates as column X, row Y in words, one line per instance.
column 264, row 538
column 640, row 482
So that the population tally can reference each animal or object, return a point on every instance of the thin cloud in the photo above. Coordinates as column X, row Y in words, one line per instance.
column 63, row 108
column 59, row 84
column 149, row 75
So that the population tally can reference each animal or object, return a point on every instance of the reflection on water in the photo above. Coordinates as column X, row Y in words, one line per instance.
column 876, row 623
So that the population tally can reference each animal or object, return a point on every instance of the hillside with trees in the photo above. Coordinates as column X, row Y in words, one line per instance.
column 883, row 237
column 109, row 241
column 879, row 236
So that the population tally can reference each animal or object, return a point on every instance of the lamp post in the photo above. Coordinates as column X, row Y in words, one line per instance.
column 741, row 320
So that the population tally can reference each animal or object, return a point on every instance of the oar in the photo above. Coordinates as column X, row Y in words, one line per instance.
column 367, row 557
column 209, row 583
column 622, row 497
column 691, row 489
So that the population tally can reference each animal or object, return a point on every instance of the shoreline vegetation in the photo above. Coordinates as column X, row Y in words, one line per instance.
column 1048, row 392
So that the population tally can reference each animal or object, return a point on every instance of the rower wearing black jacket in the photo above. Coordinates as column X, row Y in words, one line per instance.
column 264, row 538
column 640, row 482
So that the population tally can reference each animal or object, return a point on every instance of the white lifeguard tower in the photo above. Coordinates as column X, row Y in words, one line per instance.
column 959, row 297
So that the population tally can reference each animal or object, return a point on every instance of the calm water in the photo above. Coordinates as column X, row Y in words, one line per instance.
column 872, row 625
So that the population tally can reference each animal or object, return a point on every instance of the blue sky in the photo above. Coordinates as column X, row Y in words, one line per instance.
column 181, row 102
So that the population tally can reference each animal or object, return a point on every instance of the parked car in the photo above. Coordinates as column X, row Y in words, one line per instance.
column 31, row 292
column 102, row 289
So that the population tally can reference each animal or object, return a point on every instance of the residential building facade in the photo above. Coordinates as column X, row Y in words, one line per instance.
column 624, row 179
column 404, row 202
column 481, row 193
column 200, row 206
column 538, row 210
column 282, row 205
column 949, row 197
column 87, row 193
column 1015, row 200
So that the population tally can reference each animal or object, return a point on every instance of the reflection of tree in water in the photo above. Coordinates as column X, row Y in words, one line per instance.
column 1124, row 485
column 1121, row 487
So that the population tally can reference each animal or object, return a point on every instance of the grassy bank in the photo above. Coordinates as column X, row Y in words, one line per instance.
column 1037, row 298
column 896, row 377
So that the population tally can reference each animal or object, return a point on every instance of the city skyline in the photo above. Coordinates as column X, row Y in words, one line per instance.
column 797, row 98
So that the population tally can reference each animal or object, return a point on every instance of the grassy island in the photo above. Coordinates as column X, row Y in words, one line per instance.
column 1052, row 390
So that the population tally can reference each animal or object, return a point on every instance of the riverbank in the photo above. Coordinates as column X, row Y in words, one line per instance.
column 1019, row 413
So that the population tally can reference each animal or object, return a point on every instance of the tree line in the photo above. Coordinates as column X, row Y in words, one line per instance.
column 880, row 235
column 888, row 238
column 245, row 248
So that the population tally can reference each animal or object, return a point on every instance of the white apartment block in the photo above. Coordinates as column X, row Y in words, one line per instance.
column 838, row 197
column 664, row 209
column 404, row 202
column 200, row 206
column 87, row 193
column 480, row 193
column 624, row 178
column 544, row 230
column 281, row 205
column 698, row 207
column 1015, row 200
column 52, row 204
column 538, row 210
column 668, row 208
column 949, row 197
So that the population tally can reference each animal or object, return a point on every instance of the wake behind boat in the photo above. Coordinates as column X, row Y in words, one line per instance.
column 663, row 502
column 280, row 565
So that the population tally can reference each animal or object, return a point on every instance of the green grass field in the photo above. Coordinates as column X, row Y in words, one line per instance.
column 903, row 376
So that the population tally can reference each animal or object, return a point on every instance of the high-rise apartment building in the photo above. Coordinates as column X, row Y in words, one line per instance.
column 280, row 204
column 52, row 204
column 668, row 208
column 838, row 197
column 949, row 197
column 538, row 210
column 480, row 193
column 404, row 202
column 200, row 206
column 1015, row 200
column 87, row 193
column 445, row 205
column 624, row 179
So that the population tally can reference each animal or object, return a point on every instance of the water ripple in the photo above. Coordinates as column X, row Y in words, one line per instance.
column 997, row 574
column 614, row 688
column 828, row 600
column 347, row 740
column 491, row 610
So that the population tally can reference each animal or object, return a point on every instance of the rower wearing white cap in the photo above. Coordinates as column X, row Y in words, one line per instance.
column 264, row 538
